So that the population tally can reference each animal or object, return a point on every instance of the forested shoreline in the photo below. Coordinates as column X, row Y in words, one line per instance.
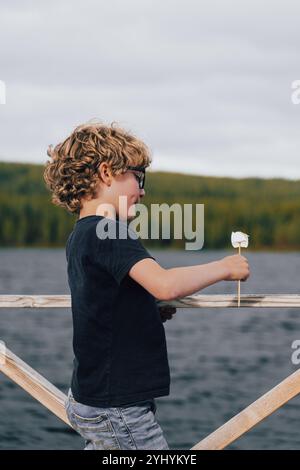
column 266, row 209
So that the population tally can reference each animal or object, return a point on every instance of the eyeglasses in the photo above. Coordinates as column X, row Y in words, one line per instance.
column 141, row 177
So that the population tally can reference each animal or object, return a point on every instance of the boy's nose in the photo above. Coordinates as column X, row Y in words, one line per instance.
column 142, row 193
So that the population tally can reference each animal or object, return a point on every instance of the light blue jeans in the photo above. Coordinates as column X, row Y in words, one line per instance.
column 127, row 427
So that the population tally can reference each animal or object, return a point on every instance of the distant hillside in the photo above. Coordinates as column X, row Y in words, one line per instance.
column 269, row 210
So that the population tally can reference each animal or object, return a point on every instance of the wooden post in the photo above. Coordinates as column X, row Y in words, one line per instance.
column 252, row 415
column 34, row 383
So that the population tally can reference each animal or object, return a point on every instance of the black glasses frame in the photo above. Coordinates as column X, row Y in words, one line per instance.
column 142, row 177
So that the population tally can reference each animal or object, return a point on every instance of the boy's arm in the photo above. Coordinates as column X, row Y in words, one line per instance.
column 170, row 284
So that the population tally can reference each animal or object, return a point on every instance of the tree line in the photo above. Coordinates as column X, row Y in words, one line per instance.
column 267, row 209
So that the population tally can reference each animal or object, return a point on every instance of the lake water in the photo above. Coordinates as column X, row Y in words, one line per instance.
column 221, row 360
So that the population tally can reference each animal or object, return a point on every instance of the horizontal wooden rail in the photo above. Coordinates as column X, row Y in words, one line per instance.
column 228, row 301
column 252, row 415
column 34, row 383
column 35, row 301
column 192, row 301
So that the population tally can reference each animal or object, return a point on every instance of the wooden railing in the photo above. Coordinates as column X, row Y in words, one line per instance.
column 192, row 301
column 53, row 399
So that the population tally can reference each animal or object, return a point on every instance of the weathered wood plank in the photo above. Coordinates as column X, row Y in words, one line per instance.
column 228, row 301
column 34, row 383
column 35, row 301
column 192, row 301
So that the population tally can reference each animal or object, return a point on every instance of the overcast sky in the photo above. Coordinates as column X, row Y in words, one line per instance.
column 206, row 84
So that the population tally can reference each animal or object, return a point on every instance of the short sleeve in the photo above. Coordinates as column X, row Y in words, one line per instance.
column 119, row 255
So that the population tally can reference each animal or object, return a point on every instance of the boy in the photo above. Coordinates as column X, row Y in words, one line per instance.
column 121, row 362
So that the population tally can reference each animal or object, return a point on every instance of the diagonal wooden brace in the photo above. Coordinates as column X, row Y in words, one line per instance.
column 34, row 383
column 252, row 415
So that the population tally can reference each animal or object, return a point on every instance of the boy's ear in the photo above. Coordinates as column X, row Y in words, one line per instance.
column 105, row 173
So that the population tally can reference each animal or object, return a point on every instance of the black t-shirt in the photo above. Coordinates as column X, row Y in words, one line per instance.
column 118, row 337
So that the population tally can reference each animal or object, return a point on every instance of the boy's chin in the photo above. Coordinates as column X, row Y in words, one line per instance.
column 130, row 217
column 131, row 212
column 126, row 217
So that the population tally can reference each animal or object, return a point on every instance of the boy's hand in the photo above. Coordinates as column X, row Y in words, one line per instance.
column 166, row 313
column 236, row 268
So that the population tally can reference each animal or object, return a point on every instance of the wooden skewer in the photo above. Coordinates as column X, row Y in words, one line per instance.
column 239, row 283
column 252, row 415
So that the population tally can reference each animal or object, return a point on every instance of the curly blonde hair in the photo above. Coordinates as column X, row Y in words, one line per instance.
column 72, row 173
